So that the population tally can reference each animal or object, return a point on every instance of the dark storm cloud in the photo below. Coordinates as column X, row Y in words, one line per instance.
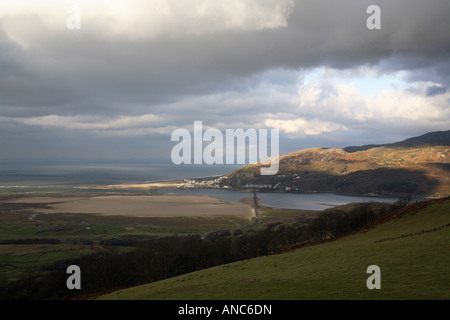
column 95, row 68
column 222, row 76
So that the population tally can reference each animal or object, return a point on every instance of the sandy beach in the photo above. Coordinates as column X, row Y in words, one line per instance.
column 141, row 206
column 144, row 186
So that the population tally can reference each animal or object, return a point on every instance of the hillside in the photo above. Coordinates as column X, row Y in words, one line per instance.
column 416, row 166
column 410, row 247
column 438, row 138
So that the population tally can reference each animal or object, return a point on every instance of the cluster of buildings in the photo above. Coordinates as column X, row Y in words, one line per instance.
column 217, row 183
column 220, row 183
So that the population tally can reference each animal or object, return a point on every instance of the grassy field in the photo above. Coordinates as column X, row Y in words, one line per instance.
column 82, row 234
column 411, row 250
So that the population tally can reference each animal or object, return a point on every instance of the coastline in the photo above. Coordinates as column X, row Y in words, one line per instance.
column 148, row 200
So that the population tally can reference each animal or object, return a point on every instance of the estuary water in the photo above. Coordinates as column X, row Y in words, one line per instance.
column 303, row 201
column 26, row 178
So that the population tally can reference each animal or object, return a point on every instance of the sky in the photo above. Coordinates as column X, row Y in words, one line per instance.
column 134, row 71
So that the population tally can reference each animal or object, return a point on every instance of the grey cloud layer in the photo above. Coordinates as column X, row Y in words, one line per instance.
column 92, row 67
column 218, row 75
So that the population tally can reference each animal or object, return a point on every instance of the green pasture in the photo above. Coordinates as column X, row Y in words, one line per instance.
column 411, row 251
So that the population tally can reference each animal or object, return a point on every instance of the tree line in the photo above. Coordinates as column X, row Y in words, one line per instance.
column 157, row 259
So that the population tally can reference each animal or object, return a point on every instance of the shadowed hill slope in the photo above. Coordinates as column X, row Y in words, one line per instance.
column 410, row 247
column 418, row 167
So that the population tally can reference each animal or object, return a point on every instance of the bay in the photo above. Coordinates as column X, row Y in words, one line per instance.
column 48, row 177
column 300, row 201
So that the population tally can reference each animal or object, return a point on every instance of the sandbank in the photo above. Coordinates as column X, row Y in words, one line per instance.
column 165, row 205
column 151, row 185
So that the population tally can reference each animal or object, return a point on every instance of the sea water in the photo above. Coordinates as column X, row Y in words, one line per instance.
column 50, row 177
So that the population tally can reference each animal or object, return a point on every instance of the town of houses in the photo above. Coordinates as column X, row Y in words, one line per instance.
column 221, row 183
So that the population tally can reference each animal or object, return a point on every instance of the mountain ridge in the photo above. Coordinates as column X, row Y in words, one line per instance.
column 418, row 166
column 428, row 139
